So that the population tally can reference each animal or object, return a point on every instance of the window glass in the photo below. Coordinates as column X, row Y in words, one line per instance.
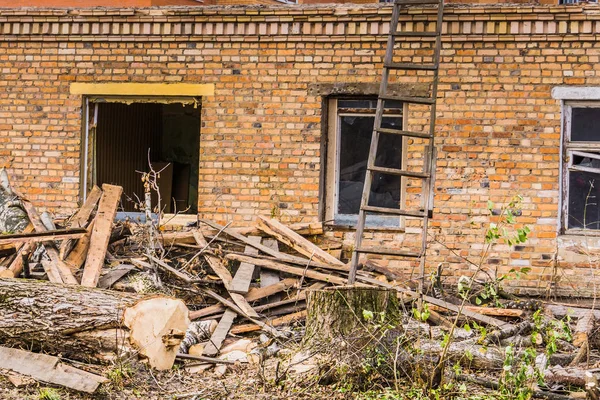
column 355, row 139
column 585, row 124
column 584, row 196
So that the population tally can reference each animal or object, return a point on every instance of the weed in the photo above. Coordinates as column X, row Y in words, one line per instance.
column 119, row 374
column 49, row 394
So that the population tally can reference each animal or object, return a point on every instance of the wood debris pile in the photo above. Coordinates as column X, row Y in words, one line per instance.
column 214, row 295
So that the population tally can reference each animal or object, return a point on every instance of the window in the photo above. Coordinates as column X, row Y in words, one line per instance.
column 350, row 130
column 581, row 164
column 576, row 1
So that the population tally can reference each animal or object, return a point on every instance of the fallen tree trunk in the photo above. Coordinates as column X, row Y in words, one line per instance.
column 90, row 324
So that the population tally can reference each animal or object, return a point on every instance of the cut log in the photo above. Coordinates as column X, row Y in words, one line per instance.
column 591, row 386
column 339, row 315
column 560, row 311
column 584, row 328
column 49, row 369
column 292, row 239
column 90, row 324
column 107, row 209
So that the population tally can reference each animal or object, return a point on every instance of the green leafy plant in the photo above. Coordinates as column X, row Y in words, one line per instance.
column 49, row 394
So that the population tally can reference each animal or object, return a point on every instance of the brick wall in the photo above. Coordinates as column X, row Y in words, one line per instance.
column 262, row 131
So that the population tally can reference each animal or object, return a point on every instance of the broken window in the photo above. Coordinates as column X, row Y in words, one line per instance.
column 581, row 161
column 350, row 130
column 123, row 135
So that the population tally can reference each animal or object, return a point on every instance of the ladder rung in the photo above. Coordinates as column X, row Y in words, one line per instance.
column 404, row 133
column 399, row 172
column 416, row 2
column 410, row 66
column 416, row 34
column 394, row 211
column 416, row 100
column 386, row 251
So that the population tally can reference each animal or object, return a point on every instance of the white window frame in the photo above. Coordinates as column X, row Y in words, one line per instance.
column 570, row 149
column 332, row 218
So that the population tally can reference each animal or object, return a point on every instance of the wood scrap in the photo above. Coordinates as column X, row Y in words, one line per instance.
column 288, row 269
column 286, row 320
column 281, row 256
column 107, row 209
column 490, row 311
column 223, row 273
column 45, row 236
column 292, row 239
column 81, row 219
column 253, row 295
column 241, row 281
column 267, row 277
column 64, row 273
column 49, row 369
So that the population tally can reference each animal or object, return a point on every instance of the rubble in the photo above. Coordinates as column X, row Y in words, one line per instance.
column 145, row 286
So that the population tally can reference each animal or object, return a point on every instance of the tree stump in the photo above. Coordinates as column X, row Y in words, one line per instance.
column 349, row 313
column 90, row 324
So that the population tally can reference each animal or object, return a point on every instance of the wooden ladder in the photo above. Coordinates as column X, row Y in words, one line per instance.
column 426, row 175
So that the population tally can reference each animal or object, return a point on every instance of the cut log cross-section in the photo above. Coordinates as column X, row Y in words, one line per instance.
column 107, row 209
column 89, row 324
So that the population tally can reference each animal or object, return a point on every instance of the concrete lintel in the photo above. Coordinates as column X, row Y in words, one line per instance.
column 143, row 89
column 576, row 93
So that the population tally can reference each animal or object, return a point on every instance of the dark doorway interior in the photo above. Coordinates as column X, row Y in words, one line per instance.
column 127, row 135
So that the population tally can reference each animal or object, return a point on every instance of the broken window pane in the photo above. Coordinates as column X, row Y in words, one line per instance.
column 584, row 124
column 584, row 194
column 355, row 139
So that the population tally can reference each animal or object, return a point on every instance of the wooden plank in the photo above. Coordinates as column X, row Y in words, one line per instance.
column 230, row 305
column 280, row 256
column 292, row 239
column 48, row 369
column 492, row 311
column 268, row 278
column 288, row 269
column 46, row 236
column 285, row 320
column 216, row 340
column 81, row 218
column 77, row 256
column 107, row 209
column 112, row 276
column 52, row 271
column 223, row 273
column 66, row 276
column 253, row 295
column 243, row 276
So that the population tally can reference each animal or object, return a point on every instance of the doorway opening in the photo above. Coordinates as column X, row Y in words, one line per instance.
column 124, row 136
